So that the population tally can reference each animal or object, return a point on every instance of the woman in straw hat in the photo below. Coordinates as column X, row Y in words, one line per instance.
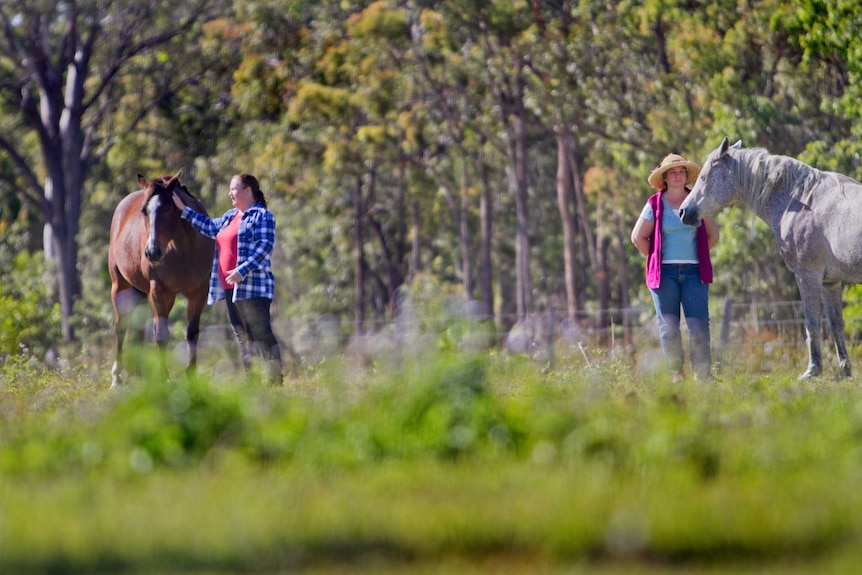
column 678, row 268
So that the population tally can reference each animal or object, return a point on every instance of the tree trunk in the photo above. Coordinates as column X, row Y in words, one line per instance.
column 416, row 245
column 581, row 201
column 392, row 246
column 487, row 226
column 359, row 257
column 508, row 92
column 566, row 205
column 460, row 210
column 603, row 281
column 506, row 287
column 63, row 199
column 398, row 273
column 525, row 281
column 516, row 132
column 69, row 284
column 622, row 242
column 464, row 234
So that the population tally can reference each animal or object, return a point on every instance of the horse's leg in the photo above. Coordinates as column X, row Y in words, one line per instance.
column 832, row 302
column 810, row 288
column 125, row 301
column 162, row 302
column 193, row 322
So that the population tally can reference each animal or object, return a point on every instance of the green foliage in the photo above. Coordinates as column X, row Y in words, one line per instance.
column 853, row 311
column 30, row 322
column 176, row 424
column 453, row 455
column 257, row 89
column 320, row 99
column 445, row 408
column 378, row 22
column 762, row 279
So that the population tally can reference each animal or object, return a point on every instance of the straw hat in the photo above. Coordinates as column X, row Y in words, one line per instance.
column 656, row 180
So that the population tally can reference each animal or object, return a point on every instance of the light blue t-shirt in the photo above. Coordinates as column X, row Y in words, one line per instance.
column 678, row 241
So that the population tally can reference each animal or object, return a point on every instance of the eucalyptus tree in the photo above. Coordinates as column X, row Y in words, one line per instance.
column 457, row 147
column 349, row 109
column 60, row 65
column 589, row 87
column 823, row 37
column 498, row 28
column 561, row 53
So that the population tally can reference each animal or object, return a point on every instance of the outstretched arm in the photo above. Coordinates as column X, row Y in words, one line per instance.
column 201, row 222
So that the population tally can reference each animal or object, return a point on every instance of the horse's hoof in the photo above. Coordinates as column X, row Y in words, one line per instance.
column 810, row 373
column 843, row 374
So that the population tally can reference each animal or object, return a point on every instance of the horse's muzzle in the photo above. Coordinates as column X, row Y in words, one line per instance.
column 153, row 253
column 689, row 216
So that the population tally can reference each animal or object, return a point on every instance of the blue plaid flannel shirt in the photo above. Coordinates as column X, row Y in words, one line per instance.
column 255, row 243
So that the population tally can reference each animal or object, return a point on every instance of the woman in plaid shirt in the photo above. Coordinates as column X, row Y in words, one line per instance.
column 241, row 272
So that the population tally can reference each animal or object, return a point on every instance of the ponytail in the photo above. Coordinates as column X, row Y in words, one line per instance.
column 250, row 181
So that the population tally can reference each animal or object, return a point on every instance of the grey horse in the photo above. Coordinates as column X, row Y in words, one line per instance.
column 816, row 217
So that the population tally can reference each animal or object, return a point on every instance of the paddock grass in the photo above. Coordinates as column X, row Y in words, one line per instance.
column 450, row 462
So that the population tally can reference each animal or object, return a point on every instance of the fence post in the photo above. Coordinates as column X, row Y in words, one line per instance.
column 550, row 332
column 725, row 331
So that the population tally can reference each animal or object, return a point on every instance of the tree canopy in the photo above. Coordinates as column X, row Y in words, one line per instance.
column 499, row 149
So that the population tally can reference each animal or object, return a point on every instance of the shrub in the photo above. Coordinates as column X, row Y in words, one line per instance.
column 30, row 322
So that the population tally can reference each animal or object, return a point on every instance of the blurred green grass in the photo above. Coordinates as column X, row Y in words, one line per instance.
column 450, row 462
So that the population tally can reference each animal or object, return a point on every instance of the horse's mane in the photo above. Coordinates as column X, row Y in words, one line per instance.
column 190, row 199
column 760, row 174
column 186, row 196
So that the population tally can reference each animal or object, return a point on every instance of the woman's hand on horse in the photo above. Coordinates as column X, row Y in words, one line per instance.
column 178, row 202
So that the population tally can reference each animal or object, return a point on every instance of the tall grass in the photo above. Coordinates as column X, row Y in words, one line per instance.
column 448, row 461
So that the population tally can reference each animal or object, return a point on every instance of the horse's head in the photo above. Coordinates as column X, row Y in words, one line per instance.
column 715, row 187
column 161, row 214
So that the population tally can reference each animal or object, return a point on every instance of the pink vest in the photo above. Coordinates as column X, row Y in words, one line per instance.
column 653, row 262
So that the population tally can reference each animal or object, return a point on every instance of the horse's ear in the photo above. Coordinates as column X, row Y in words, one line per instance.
column 143, row 181
column 737, row 145
column 722, row 149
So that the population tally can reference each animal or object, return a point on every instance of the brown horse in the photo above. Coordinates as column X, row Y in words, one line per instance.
column 154, row 252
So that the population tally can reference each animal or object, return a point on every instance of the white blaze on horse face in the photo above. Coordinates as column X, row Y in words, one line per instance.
column 152, row 208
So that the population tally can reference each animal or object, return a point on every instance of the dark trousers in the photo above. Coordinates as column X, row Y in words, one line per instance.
column 252, row 326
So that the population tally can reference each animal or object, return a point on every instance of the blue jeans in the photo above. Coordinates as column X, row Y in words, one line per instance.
column 681, row 288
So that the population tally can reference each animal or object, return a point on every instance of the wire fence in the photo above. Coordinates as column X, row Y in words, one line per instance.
column 735, row 325
column 755, row 335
